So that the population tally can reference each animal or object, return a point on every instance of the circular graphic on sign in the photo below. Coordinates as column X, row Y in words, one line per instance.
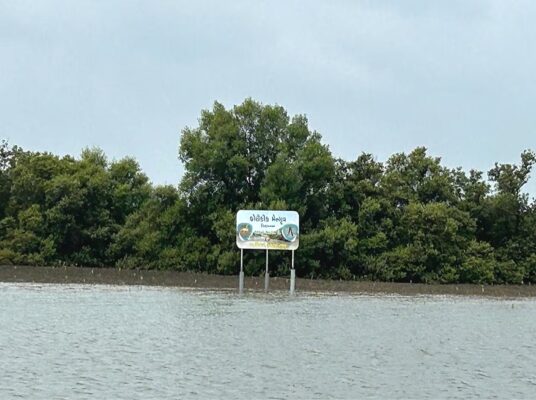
column 290, row 232
column 244, row 231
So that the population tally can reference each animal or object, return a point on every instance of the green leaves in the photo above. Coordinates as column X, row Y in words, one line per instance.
column 67, row 211
column 406, row 219
column 511, row 178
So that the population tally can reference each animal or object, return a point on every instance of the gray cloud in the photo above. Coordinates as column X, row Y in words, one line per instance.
column 372, row 76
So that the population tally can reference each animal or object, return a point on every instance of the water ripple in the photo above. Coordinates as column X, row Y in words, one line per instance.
column 83, row 341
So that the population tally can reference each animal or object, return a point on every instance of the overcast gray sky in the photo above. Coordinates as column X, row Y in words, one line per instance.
column 374, row 76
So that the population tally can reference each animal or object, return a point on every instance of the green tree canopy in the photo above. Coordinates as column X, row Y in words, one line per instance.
column 408, row 218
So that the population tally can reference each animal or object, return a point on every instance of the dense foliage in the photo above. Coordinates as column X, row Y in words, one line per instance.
column 406, row 219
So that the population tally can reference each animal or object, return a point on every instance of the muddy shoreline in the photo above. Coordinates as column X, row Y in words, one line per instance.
column 111, row 276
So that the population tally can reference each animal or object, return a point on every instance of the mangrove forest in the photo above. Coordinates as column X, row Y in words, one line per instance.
column 406, row 219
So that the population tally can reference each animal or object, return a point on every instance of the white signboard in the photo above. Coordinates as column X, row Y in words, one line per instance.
column 264, row 229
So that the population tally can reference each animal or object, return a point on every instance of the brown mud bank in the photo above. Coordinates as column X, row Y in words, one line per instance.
column 111, row 276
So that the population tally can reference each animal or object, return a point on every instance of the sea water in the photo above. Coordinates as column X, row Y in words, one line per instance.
column 125, row 342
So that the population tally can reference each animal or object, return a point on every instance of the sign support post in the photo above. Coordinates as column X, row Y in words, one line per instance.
column 241, row 277
column 292, row 276
column 266, row 274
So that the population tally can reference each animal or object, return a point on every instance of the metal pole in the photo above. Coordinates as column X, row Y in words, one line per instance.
column 266, row 274
column 241, row 276
column 292, row 276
